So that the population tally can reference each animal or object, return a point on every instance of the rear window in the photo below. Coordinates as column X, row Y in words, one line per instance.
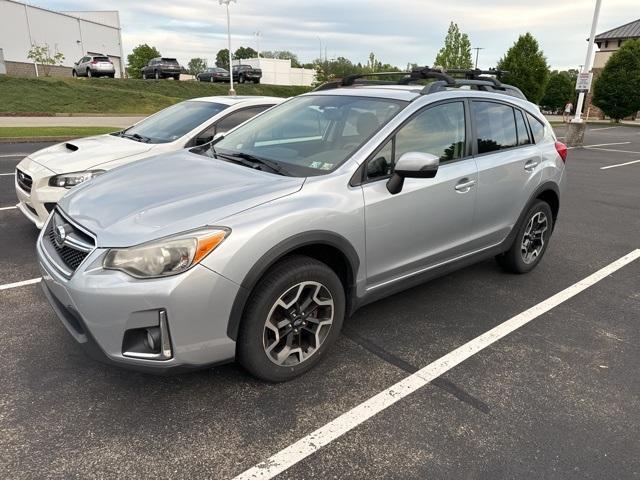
column 101, row 59
column 537, row 128
column 169, row 60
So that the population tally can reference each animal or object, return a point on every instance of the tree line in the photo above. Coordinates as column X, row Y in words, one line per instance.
column 616, row 91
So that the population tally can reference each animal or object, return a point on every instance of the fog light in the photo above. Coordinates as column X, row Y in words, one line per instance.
column 150, row 343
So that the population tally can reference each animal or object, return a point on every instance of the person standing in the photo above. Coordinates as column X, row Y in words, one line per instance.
column 566, row 114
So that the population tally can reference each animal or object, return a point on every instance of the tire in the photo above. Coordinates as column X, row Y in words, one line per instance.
column 157, row 75
column 307, row 278
column 176, row 78
column 519, row 258
column 256, row 81
column 241, row 79
column 89, row 74
column 74, row 74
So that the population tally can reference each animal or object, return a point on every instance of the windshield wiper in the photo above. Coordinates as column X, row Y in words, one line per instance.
column 252, row 161
column 136, row 136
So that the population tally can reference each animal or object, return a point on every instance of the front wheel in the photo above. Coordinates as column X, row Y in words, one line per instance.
column 531, row 241
column 293, row 316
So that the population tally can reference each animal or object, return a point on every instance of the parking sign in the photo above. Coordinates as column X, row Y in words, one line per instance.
column 583, row 82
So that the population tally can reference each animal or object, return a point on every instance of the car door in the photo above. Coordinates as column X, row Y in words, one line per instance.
column 430, row 221
column 508, row 172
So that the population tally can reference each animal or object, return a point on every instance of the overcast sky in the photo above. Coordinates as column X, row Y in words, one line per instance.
column 397, row 31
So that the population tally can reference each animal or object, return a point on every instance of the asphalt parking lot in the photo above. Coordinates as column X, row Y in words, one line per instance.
column 557, row 398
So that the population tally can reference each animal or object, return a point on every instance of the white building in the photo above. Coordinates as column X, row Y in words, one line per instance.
column 74, row 34
column 280, row 72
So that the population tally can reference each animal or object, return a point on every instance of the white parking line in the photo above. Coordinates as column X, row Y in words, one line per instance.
column 619, row 165
column 603, row 128
column 7, row 208
column 306, row 446
column 611, row 150
column 599, row 145
column 16, row 155
column 3, row 174
column 19, row 284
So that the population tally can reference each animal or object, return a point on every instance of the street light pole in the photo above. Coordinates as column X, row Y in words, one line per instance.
column 226, row 3
column 477, row 49
column 587, row 63
column 320, row 57
column 258, row 34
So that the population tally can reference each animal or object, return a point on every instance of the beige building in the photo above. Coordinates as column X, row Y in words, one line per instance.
column 608, row 43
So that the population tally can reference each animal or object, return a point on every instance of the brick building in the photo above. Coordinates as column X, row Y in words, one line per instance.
column 608, row 43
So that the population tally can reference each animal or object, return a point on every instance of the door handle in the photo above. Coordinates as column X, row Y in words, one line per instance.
column 531, row 165
column 464, row 185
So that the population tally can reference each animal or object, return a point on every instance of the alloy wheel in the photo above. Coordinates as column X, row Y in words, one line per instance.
column 298, row 323
column 533, row 238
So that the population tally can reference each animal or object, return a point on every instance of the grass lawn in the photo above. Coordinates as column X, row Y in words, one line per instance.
column 27, row 132
column 22, row 95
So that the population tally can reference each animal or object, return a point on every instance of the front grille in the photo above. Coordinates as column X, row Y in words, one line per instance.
column 71, row 252
column 24, row 180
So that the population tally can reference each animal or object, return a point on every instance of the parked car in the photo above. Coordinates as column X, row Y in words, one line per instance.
column 246, row 73
column 162, row 67
column 258, row 245
column 94, row 66
column 214, row 74
column 45, row 176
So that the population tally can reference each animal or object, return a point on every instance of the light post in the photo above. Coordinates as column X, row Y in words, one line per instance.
column 226, row 3
column 258, row 34
column 320, row 41
column 575, row 132
column 477, row 49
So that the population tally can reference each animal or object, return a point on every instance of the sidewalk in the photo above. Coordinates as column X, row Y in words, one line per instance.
column 106, row 121
column 558, row 119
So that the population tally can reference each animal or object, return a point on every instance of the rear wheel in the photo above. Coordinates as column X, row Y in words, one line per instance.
column 531, row 240
column 293, row 316
column 256, row 81
column 176, row 77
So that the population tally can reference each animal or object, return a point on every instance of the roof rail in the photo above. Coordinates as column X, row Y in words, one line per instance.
column 486, row 80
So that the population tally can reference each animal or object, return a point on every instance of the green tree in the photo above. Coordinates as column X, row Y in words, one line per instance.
column 138, row 58
column 560, row 89
column 42, row 55
column 456, row 52
column 527, row 67
column 282, row 55
column 616, row 91
column 197, row 65
column 222, row 58
column 245, row 52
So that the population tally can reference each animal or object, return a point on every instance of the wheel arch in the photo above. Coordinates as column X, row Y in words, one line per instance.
column 330, row 248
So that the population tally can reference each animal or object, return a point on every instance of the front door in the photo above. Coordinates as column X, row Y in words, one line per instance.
column 431, row 220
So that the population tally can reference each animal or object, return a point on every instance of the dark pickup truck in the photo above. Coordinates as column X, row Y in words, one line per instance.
column 246, row 73
column 162, row 67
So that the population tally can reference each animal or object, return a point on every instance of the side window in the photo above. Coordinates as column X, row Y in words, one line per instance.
column 537, row 128
column 495, row 126
column 439, row 130
column 236, row 118
column 523, row 135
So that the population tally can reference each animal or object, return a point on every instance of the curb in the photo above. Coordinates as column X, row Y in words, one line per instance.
column 37, row 139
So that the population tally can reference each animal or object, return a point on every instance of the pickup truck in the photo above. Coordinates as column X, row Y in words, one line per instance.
column 161, row 67
column 246, row 73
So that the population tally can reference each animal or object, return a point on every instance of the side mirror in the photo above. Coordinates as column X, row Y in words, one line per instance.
column 412, row 165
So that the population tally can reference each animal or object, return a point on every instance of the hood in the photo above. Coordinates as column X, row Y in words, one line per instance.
column 168, row 194
column 87, row 153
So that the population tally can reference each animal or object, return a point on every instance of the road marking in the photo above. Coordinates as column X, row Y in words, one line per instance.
column 12, row 155
column 619, row 165
column 603, row 128
column 20, row 284
column 7, row 208
column 612, row 150
column 3, row 174
column 310, row 444
column 599, row 145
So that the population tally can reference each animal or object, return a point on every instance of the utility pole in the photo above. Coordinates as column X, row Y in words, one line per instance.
column 577, row 127
column 320, row 57
column 258, row 34
column 477, row 49
column 226, row 3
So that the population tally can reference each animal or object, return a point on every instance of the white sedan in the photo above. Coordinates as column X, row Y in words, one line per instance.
column 45, row 176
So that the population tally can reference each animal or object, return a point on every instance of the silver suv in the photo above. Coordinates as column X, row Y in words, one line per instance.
column 258, row 245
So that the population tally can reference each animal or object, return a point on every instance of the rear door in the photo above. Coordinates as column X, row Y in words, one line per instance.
column 431, row 220
column 508, row 168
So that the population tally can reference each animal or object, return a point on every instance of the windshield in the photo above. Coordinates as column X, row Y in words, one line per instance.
column 173, row 122
column 312, row 134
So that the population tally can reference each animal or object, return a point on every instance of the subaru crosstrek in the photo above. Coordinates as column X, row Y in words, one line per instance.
column 258, row 245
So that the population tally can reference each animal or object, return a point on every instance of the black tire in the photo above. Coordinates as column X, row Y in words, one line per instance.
column 256, row 81
column 513, row 260
column 74, row 74
column 280, row 278
column 176, row 78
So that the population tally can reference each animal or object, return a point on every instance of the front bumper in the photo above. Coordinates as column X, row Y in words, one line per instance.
column 98, row 306
column 37, row 204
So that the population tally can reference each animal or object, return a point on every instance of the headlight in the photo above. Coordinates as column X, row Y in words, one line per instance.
column 69, row 180
column 165, row 257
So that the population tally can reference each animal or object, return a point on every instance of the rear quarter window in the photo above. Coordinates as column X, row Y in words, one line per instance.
column 537, row 128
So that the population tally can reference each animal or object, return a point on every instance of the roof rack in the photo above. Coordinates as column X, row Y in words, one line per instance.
column 485, row 80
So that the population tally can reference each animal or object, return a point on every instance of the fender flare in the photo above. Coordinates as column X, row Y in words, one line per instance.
column 313, row 237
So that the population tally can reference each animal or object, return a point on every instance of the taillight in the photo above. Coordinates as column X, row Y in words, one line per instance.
column 562, row 150
column 93, row 62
